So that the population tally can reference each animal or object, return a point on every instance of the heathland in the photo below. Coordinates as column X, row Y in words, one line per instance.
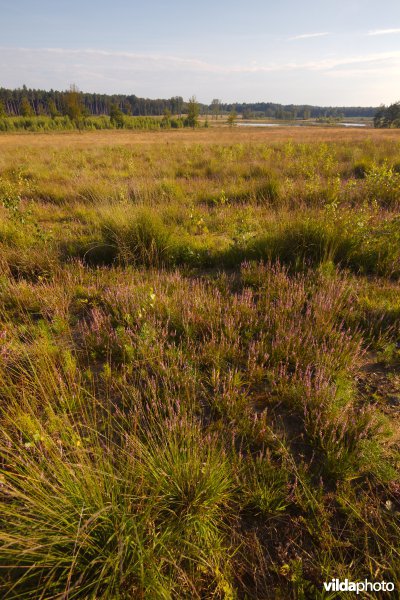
column 199, row 362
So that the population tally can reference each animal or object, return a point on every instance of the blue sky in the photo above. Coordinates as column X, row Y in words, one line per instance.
column 341, row 52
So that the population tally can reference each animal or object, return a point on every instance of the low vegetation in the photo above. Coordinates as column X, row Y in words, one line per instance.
column 65, row 123
column 199, row 363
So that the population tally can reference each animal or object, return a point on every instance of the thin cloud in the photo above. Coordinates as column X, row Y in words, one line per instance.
column 306, row 36
column 112, row 64
column 163, row 75
column 384, row 31
column 157, row 60
column 329, row 64
column 119, row 54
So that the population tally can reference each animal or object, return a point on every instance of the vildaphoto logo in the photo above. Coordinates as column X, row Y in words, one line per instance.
column 336, row 585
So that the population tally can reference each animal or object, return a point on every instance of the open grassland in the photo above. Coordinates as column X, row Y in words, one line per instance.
column 199, row 363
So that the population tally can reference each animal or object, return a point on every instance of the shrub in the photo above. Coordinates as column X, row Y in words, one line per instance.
column 361, row 169
column 382, row 184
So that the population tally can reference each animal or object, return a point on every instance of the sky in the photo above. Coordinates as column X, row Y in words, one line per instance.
column 332, row 53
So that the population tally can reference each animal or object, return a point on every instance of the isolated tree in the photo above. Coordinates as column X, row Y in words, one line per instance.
column 117, row 116
column 166, row 120
column 26, row 108
column 192, row 118
column 232, row 118
column 74, row 106
column 216, row 107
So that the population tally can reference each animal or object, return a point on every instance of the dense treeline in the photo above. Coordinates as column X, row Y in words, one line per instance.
column 29, row 102
column 293, row 111
column 91, row 123
column 388, row 116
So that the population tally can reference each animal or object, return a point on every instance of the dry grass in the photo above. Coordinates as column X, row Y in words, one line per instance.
column 213, row 135
column 199, row 362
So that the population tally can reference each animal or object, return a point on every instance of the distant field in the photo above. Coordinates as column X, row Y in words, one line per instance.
column 199, row 362
column 202, row 135
column 46, row 124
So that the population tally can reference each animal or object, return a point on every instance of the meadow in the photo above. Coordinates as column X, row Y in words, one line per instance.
column 199, row 363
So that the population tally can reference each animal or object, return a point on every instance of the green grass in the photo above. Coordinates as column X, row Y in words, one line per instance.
column 189, row 347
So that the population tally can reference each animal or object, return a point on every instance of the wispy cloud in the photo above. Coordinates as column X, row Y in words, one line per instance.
column 384, row 31
column 306, row 36
column 103, row 60
column 165, row 75
column 365, row 61
column 133, row 56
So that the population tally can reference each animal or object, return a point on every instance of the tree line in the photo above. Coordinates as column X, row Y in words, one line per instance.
column 295, row 111
column 388, row 116
column 31, row 102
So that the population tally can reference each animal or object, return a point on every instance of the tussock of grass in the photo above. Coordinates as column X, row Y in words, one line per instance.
column 111, row 512
column 141, row 239
column 152, row 237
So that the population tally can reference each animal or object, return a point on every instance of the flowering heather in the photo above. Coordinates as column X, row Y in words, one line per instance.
column 199, row 364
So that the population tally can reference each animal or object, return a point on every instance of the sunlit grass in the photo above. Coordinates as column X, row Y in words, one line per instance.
column 188, row 327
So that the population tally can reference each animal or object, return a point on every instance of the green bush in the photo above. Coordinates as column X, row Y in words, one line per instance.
column 382, row 184
column 361, row 169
